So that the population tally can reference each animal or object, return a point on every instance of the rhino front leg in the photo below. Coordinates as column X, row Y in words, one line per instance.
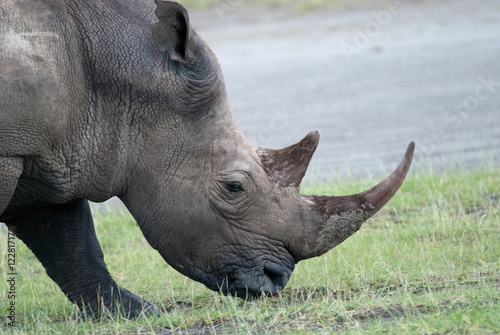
column 63, row 238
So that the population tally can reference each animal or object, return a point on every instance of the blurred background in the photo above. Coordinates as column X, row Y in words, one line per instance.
column 370, row 77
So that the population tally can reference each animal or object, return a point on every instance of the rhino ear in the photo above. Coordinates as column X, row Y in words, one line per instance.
column 288, row 166
column 171, row 34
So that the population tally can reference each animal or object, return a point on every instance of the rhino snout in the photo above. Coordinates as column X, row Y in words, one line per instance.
column 276, row 280
column 269, row 283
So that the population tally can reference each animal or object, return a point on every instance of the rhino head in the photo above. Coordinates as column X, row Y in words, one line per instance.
column 218, row 209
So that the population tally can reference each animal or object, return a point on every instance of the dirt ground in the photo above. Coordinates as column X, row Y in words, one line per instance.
column 369, row 80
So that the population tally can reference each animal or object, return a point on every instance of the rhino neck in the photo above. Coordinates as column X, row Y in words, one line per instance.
column 164, row 188
column 124, row 88
column 168, row 185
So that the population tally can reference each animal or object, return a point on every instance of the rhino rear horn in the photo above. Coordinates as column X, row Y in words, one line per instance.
column 288, row 166
column 171, row 33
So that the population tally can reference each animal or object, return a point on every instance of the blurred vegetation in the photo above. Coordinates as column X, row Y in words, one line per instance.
column 294, row 5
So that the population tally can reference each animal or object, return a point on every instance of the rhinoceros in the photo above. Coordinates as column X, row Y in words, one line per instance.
column 104, row 98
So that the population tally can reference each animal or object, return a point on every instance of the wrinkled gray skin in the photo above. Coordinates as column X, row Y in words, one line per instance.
column 96, row 102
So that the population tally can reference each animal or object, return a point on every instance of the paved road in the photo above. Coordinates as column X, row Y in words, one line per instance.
column 369, row 83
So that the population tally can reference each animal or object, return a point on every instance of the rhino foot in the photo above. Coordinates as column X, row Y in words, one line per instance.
column 125, row 304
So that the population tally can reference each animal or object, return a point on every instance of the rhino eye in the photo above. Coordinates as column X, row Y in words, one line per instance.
column 234, row 187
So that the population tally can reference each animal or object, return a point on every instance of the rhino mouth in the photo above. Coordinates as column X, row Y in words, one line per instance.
column 276, row 281
column 269, row 283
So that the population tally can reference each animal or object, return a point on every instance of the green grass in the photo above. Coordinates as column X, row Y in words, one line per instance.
column 428, row 263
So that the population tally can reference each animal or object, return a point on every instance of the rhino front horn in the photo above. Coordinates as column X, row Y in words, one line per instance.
column 328, row 221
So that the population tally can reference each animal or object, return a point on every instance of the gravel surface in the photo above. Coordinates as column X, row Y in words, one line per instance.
column 369, row 80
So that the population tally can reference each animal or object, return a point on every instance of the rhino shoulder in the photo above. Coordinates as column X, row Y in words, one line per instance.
column 35, row 76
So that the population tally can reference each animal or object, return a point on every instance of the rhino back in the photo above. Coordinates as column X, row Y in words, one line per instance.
column 67, row 69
